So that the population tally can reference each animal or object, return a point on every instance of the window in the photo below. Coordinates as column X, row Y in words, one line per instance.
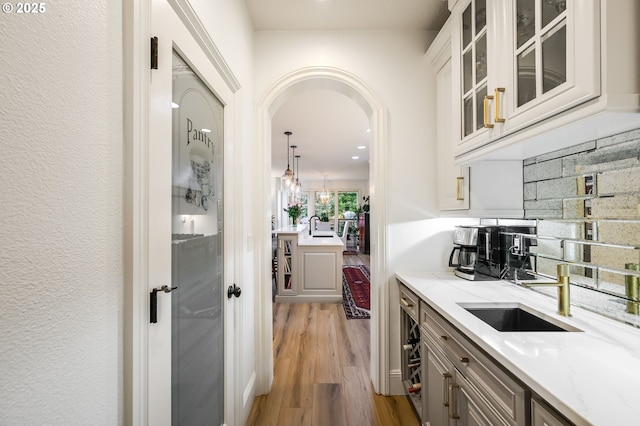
column 326, row 212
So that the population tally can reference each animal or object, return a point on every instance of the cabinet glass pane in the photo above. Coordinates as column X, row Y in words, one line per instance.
column 481, row 15
column 526, row 76
column 467, row 62
column 551, row 9
column 468, row 115
column 525, row 20
column 466, row 27
column 480, row 107
column 554, row 59
column 481, row 58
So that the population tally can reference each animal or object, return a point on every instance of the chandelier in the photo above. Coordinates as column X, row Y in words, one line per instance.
column 324, row 196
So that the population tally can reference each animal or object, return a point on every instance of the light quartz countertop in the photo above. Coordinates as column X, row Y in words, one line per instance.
column 592, row 376
column 326, row 238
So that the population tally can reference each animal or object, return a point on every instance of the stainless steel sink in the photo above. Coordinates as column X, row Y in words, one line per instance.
column 515, row 317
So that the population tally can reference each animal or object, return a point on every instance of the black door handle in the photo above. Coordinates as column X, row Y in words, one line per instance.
column 233, row 290
column 153, row 302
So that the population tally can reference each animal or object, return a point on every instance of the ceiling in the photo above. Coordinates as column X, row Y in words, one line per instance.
column 328, row 126
column 349, row 15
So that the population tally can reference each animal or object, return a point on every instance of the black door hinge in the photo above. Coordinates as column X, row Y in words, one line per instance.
column 154, row 53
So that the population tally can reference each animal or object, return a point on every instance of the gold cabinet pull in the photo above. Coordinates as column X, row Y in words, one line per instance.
column 405, row 303
column 486, row 112
column 459, row 188
column 497, row 118
column 445, row 379
column 452, row 404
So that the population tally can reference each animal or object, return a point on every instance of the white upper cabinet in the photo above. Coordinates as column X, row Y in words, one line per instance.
column 474, row 64
column 453, row 180
column 522, row 68
column 552, row 60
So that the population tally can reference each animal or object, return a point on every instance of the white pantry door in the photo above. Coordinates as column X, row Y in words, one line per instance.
column 189, row 349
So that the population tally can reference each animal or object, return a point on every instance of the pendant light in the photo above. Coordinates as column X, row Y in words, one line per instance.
column 292, row 182
column 324, row 195
column 288, row 174
column 297, row 186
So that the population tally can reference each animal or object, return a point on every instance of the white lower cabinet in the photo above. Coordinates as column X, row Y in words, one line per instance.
column 308, row 273
column 287, row 259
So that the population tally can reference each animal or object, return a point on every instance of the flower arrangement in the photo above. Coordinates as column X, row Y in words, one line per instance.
column 364, row 207
column 294, row 210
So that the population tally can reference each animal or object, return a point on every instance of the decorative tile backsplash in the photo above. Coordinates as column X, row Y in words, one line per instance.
column 586, row 202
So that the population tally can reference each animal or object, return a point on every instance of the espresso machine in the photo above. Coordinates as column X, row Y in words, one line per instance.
column 516, row 243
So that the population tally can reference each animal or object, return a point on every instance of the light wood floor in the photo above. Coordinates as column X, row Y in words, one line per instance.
column 321, row 371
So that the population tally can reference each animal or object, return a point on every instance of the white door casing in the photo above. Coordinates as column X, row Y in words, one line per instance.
column 349, row 84
column 147, row 359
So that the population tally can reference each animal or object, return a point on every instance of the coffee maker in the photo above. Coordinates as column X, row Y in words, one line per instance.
column 476, row 253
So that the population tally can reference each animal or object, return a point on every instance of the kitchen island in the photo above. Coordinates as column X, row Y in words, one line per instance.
column 309, row 267
column 589, row 374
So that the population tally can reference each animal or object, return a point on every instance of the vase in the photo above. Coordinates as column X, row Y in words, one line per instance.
column 294, row 220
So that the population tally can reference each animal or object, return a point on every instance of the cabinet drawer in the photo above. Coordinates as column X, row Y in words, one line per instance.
column 543, row 415
column 409, row 302
column 504, row 394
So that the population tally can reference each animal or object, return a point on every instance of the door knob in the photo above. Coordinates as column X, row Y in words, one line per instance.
column 153, row 302
column 233, row 290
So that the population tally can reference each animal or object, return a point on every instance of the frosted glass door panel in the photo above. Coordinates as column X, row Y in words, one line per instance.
column 197, row 351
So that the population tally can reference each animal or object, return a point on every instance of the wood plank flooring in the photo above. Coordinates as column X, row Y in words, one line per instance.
column 321, row 371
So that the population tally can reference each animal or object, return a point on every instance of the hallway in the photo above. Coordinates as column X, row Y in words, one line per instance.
column 321, row 371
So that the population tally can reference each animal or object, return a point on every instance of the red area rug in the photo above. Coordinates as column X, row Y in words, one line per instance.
column 356, row 291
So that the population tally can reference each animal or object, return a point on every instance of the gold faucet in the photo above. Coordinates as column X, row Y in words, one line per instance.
column 563, row 288
column 632, row 283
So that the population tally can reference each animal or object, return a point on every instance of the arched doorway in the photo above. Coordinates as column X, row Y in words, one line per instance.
column 346, row 83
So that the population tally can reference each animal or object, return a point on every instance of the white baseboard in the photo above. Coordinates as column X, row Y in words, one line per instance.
column 395, row 383
column 249, row 392
column 307, row 298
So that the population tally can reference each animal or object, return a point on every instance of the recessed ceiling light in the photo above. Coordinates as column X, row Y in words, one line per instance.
column 355, row 157
column 174, row 105
column 206, row 130
column 368, row 130
column 362, row 147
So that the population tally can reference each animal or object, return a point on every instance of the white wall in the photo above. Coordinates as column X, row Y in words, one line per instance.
column 61, row 203
column 393, row 65
column 62, row 166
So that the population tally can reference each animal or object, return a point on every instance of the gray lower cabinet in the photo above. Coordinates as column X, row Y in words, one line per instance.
column 464, row 386
column 411, row 358
column 437, row 374
column 543, row 415
column 470, row 407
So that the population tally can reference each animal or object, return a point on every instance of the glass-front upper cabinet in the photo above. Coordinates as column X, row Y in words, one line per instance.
column 518, row 62
column 473, row 61
column 554, row 57
column 545, row 30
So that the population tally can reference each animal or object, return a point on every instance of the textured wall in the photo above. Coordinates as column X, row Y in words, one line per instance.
column 589, row 192
column 61, row 166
